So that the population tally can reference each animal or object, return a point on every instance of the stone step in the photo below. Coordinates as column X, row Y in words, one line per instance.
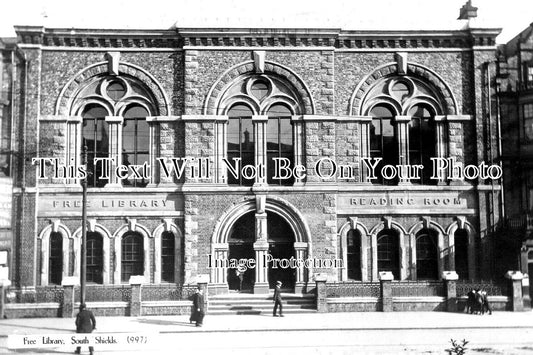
column 247, row 303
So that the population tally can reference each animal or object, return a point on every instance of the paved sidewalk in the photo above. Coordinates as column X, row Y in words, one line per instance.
column 292, row 322
column 311, row 333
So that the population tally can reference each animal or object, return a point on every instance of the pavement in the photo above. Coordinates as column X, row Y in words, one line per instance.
column 501, row 331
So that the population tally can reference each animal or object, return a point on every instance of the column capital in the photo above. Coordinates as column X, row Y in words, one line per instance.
column 402, row 118
column 114, row 119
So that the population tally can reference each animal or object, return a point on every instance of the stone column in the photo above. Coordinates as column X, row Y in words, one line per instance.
column 260, row 123
column 74, row 148
column 221, row 149
column 386, row 278
column 115, row 146
column 321, row 293
column 154, row 127
column 440, row 144
column 301, row 254
column 67, row 308
column 450, row 282
column 298, row 141
column 261, row 269
column 365, row 146
column 402, row 130
column 136, row 295
column 4, row 284
column 515, row 278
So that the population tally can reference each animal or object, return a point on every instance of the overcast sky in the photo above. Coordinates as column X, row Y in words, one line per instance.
column 512, row 16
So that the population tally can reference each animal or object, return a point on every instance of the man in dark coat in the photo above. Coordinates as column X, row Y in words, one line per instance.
column 198, row 304
column 85, row 323
column 277, row 300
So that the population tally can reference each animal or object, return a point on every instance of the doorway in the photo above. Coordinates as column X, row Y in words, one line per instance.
column 241, row 246
column 281, row 248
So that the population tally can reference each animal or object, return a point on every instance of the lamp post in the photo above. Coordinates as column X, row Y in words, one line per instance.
column 83, row 231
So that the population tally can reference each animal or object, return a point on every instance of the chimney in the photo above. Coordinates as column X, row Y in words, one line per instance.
column 468, row 11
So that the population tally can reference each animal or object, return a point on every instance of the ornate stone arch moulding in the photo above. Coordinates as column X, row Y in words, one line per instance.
column 360, row 102
column 68, row 95
column 216, row 99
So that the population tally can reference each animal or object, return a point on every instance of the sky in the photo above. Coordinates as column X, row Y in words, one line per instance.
column 512, row 16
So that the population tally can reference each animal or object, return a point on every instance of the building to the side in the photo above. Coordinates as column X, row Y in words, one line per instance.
column 514, row 78
column 196, row 121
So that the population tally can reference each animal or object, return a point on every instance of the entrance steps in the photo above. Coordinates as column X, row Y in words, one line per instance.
column 247, row 303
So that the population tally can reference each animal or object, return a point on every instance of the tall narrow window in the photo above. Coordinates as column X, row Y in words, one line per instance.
column 389, row 252
column 354, row 254
column 382, row 141
column 527, row 113
column 95, row 258
column 461, row 253
column 135, row 143
column 55, row 262
column 240, row 142
column 427, row 253
column 95, row 137
column 132, row 255
column 279, row 143
column 422, row 144
column 167, row 257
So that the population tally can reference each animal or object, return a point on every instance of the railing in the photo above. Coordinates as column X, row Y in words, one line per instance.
column 353, row 289
column 492, row 288
column 520, row 222
column 42, row 294
column 105, row 293
column 170, row 292
column 418, row 289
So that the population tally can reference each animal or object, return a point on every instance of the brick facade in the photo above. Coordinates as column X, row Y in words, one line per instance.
column 325, row 76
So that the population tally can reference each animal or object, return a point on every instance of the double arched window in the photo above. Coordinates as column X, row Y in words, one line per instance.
column 114, row 111
column 403, row 129
column 260, row 130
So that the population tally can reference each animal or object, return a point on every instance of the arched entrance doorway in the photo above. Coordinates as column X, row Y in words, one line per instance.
column 281, row 249
column 241, row 246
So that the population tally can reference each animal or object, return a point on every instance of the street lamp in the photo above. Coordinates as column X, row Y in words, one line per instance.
column 83, row 230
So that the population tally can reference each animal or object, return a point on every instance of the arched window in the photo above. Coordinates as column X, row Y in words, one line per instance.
column 167, row 256
column 95, row 136
column 383, row 143
column 279, row 142
column 389, row 252
column 461, row 253
column 95, row 257
column 353, row 254
column 427, row 253
column 422, row 141
column 240, row 142
column 135, row 142
column 55, row 261
column 132, row 255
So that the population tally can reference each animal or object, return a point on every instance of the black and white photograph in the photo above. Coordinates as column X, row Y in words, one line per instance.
column 277, row 177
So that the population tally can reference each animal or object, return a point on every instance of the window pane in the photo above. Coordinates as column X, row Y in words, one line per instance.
column 128, row 135
column 426, row 256
column 96, row 138
column 116, row 90
column 95, row 260
column 240, row 141
column 167, row 257
column 354, row 255
column 132, row 256
column 259, row 90
column 55, row 265
column 461, row 253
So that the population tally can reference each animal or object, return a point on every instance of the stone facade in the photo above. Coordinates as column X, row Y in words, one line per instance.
column 190, row 81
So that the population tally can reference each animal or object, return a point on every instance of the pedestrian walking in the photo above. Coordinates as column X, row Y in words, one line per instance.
column 277, row 300
column 85, row 323
column 198, row 304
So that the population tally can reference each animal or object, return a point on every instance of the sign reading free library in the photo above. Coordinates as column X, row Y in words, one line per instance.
column 111, row 204
column 405, row 202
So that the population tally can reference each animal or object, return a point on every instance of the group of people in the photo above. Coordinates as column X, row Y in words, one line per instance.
column 477, row 302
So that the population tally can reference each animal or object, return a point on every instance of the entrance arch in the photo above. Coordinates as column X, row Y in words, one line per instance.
column 288, row 229
column 241, row 246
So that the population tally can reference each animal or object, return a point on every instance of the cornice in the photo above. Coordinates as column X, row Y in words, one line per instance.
column 254, row 37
